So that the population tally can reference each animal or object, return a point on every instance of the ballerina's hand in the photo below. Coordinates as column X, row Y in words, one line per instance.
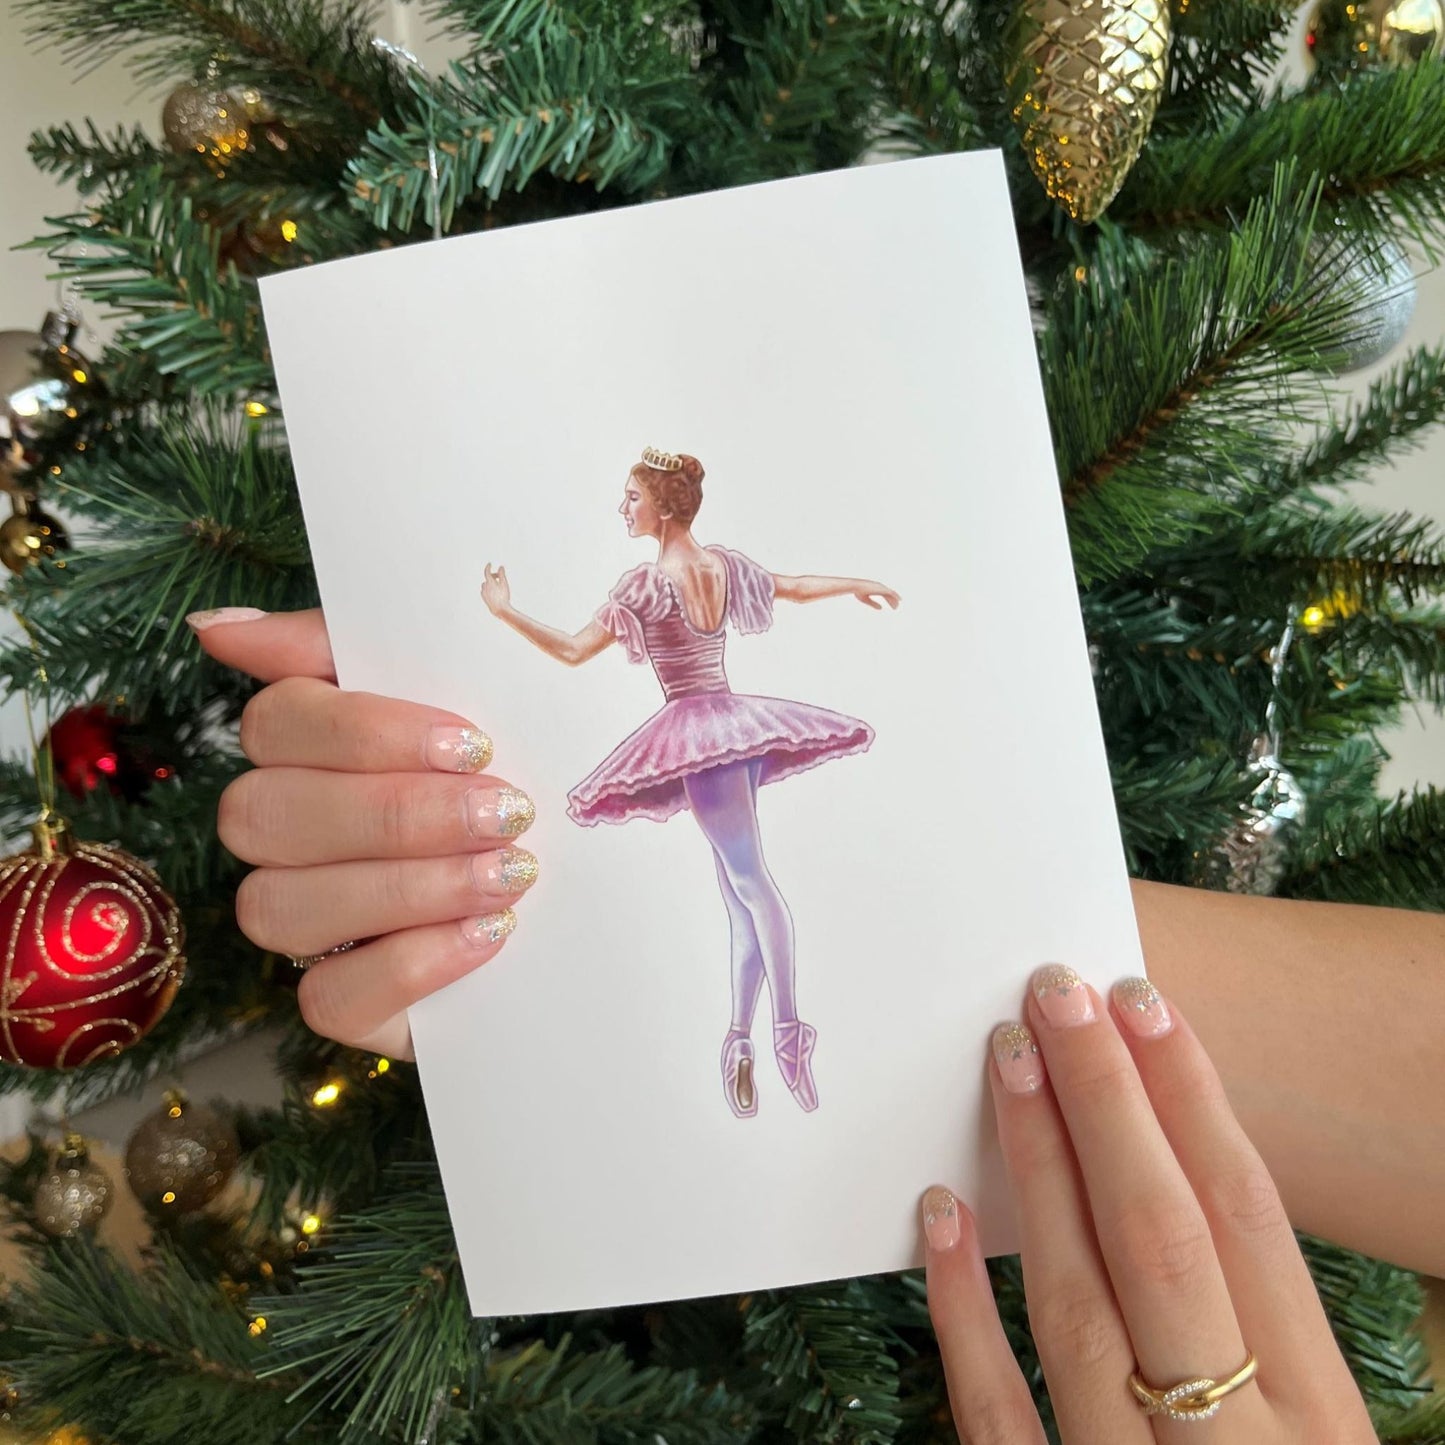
column 1153, row 1240
column 362, row 832
column 867, row 592
column 496, row 592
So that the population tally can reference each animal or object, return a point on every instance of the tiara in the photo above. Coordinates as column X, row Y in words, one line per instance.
column 663, row 461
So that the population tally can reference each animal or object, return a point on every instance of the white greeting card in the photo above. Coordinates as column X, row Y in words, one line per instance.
column 800, row 847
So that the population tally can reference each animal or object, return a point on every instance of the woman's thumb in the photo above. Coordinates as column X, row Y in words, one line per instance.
column 268, row 645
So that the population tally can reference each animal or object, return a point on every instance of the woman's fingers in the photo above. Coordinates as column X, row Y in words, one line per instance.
column 1274, row 1296
column 268, row 645
column 309, row 910
column 294, row 817
column 991, row 1403
column 303, row 722
column 361, row 997
column 1077, row 1327
column 1151, row 1228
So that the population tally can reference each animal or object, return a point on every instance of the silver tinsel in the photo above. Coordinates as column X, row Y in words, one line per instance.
column 1250, row 857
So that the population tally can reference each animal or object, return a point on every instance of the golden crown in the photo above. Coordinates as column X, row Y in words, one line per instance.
column 663, row 461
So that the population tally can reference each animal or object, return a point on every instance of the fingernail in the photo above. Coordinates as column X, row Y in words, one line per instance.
column 505, row 870
column 490, row 927
column 458, row 750
column 1063, row 999
column 1020, row 1065
column 940, row 1218
column 1142, row 1008
column 202, row 620
column 499, row 812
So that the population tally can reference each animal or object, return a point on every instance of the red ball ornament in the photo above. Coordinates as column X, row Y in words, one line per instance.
column 93, row 951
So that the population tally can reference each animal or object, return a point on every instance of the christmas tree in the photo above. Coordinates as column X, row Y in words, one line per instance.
column 1206, row 251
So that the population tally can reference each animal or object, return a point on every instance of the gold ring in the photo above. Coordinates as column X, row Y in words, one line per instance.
column 1192, row 1399
column 307, row 959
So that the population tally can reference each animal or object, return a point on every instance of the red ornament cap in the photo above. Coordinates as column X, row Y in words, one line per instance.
column 92, row 950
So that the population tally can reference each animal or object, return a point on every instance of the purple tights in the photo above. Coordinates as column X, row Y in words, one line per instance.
column 724, row 802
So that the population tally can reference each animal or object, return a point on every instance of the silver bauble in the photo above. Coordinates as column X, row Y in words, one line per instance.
column 39, row 375
column 1379, row 287
column 1250, row 857
column 73, row 1194
column 181, row 1157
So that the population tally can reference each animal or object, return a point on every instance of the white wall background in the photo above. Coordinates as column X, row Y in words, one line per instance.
column 37, row 88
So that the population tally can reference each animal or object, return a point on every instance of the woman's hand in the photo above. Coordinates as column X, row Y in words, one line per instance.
column 874, row 594
column 496, row 591
column 1152, row 1240
column 362, row 830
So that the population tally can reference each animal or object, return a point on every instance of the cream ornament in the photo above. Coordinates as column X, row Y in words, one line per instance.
column 1084, row 81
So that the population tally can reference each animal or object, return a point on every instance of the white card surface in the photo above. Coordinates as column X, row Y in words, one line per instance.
column 850, row 357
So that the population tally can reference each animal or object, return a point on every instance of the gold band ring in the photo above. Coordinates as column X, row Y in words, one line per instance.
column 1192, row 1399
column 307, row 959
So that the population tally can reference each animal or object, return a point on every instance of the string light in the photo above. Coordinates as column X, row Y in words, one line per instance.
column 327, row 1094
column 288, row 230
column 256, row 408
column 1313, row 618
column 257, row 1326
column 311, row 1224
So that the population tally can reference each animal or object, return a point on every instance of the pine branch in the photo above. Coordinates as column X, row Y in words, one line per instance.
column 1421, row 1424
column 162, row 1356
column 1372, row 1308
column 379, row 1327
column 1220, row 61
column 536, row 1395
column 558, row 108
column 833, row 1374
column 921, row 64
column 1400, row 405
column 1377, row 146
column 312, row 57
column 1391, row 856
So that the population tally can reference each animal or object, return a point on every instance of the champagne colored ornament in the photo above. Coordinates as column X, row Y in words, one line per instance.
column 181, row 1157
column 201, row 118
column 1379, row 289
column 74, row 1194
column 1345, row 36
column 1084, row 79
column 93, row 950
column 29, row 534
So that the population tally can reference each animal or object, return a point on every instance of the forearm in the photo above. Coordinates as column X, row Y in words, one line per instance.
column 552, row 640
column 1327, row 1024
column 813, row 589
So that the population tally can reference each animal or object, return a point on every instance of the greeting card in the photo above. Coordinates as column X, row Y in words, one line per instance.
column 733, row 519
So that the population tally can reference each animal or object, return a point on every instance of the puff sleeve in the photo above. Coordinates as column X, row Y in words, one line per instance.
column 638, row 598
column 750, row 593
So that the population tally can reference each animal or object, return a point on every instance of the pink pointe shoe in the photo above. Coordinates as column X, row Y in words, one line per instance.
column 793, row 1045
column 737, row 1072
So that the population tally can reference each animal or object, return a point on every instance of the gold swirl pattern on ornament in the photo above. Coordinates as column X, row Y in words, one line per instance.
column 106, row 1050
column 32, row 874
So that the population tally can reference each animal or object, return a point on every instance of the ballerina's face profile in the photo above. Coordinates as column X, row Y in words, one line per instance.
column 643, row 518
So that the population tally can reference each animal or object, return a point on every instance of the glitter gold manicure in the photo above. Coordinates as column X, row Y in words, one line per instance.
column 1144, row 1012
column 1016, row 1052
column 490, row 927
column 1063, row 1000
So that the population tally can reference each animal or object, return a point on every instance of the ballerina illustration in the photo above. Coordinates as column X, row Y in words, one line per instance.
column 708, row 749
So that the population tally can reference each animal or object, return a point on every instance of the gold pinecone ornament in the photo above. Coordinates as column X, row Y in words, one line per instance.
column 1084, row 80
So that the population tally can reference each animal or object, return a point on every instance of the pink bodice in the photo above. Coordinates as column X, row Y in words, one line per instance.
column 645, row 613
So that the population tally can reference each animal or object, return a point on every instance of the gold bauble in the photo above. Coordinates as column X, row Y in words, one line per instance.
column 181, row 1157
column 1084, row 80
column 1350, row 35
column 29, row 534
column 203, row 119
column 73, row 1194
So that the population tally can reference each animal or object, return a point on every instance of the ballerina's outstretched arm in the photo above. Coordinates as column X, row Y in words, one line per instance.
column 572, row 648
column 811, row 589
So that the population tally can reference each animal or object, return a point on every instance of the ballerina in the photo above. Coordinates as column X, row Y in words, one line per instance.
column 708, row 749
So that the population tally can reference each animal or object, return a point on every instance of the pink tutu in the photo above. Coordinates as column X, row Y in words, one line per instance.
column 703, row 723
